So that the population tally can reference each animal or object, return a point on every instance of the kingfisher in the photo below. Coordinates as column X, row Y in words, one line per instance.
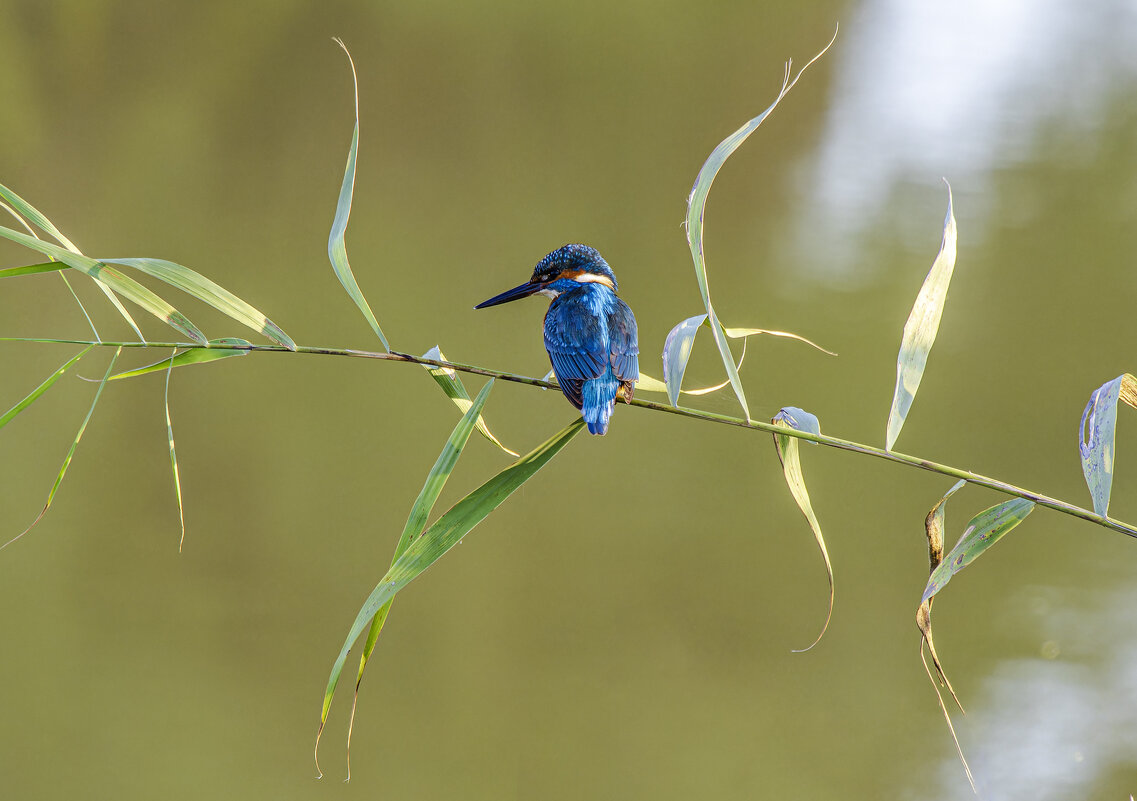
column 590, row 333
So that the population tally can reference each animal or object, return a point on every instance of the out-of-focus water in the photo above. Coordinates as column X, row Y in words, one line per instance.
column 622, row 627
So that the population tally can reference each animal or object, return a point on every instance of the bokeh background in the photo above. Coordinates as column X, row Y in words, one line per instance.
column 622, row 627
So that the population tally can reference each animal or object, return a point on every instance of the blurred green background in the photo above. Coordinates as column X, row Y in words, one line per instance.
column 622, row 627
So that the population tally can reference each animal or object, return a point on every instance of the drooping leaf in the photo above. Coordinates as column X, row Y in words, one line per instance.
column 197, row 285
column 192, row 356
column 788, row 453
column 444, row 535
column 1096, row 435
column 337, row 246
column 681, row 339
column 677, row 352
column 934, row 528
column 22, row 207
column 984, row 530
column 696, row 204
column 71, row 452
column 173, row 453
column 452, row 385
column 124, row 285
column 42, row 388
column 920, row 330
column 416, row 522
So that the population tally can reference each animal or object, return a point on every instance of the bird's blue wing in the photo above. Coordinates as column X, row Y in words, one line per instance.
column 576, row 346
column 623, row 346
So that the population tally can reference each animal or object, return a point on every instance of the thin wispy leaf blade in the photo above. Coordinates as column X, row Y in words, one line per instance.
column 743, row 333
column 71, row 452
column 416, row 522
column 645, row 383
column 337, row 246
column 984, row 530
column 173, row 452
column 36, row 217
column 788, row 453
column 1096, row 436
column 921, row 328
column 696, row 205
column 677, row 352
column 197, row 285
column 33, row 269
column 451, row 383
column 192, row 356
column 33, row 396
column 934, row 529
column 124, row 285
column 444, row 535
column 18, row 204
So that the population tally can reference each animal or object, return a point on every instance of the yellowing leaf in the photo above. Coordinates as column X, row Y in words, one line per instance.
column 920, row 330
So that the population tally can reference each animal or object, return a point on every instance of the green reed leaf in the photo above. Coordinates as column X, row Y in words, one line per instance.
column 921, row 328
column 337, row 246
column 984, row 530
column 127, row 287
column 788, row 453
column 197, row 285
column 191, row 356
column 446, row 532
column 42, row 388
column 451, row 383
column 416, row 522
column 18, row 204
column 696, row 204
column 1096, row 436
column 71, row 452
column 33, row 269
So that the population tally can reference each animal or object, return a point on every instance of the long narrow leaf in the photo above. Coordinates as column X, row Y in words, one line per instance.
column 337, row 247
column 450, row 382
column 920, row 330
column 124, row 285
column 197, row 285
column 416, row 522
column 984, row 530
column 677, row 352
column 1096, row 435
column 187, row 357
column 173, row 452
column 695, row 208
column 42, row 388
column 444, row 535
column 40, row 221
column 788, row 453
column 71, row 452
column 33, row 269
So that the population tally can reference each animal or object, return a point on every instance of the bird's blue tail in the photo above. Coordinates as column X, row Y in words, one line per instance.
column 599, row 396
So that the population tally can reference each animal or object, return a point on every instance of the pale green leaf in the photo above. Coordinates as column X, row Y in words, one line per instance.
column 337, row 246
column 42, row 388
column 696, row 204
column 71, row 452
column 446, row 532
column 1096, row 435
column 205, row 290
column 788, row 453
column 127, row 287
column 984, row 530
column 920, row 330
column 191, row 356
column 451, row 383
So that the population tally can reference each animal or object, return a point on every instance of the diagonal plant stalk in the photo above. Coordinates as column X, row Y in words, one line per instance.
column 977, row 479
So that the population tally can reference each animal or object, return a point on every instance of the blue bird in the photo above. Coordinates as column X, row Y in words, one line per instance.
column 590, row 333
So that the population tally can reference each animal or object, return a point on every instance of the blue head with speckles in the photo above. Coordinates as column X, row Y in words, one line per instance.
column 571, row 261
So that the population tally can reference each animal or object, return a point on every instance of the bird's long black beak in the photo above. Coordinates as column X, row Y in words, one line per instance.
column 523, row 291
